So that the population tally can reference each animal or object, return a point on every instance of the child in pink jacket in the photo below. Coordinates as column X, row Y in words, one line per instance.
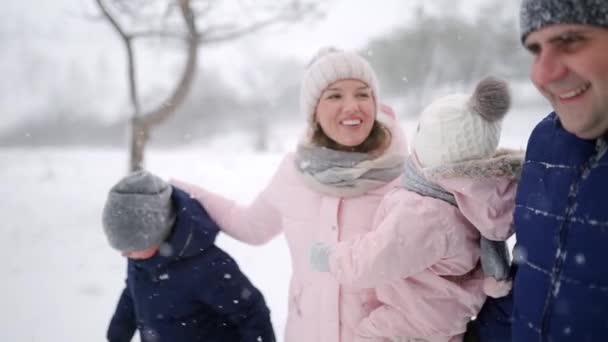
column 423, row 257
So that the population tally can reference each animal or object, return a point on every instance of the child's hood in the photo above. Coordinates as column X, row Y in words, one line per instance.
column 484, row 190
column 193, row 233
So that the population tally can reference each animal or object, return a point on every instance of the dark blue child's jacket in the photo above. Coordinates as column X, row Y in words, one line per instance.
column 561, row 225
column 194, row 293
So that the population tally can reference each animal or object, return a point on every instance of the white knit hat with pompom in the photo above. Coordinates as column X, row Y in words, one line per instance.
column 462, row 127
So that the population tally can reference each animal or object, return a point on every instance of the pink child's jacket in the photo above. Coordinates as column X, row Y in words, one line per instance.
column 320, row 309
column 423, row 256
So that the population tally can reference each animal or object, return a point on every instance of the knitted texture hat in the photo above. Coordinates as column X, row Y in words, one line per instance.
column 138, row 213
column 461, row 127
column 536, row 14
column 328, row 66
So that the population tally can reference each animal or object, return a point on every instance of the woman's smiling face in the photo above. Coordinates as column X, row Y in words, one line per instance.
column 346, row 112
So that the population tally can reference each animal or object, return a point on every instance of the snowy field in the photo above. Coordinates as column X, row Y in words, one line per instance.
column 60, row 280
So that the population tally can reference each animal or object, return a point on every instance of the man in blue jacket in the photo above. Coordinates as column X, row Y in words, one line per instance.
column 561, row 215
column 180, row 286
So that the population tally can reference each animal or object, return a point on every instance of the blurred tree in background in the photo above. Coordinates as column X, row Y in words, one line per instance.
column 443, row 52
column 194, row 22
column 440, row 51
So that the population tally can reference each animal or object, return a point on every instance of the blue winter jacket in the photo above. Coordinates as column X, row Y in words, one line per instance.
column 195, row 293
column 561, row 225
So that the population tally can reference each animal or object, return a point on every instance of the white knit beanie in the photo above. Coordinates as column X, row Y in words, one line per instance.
column 462, row 127
column 330, row 65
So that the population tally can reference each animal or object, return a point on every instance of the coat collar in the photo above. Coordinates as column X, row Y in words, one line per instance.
column 505, row 163
column 192, row 234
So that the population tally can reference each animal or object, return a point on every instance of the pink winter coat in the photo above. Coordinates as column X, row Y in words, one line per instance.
column 318, row 306
column 423, row 256
column 320, row 310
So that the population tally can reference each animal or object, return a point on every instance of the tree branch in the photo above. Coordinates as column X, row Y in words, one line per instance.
column 182, row 89
column 210, row 37
column 157, row 34
column 130, row 57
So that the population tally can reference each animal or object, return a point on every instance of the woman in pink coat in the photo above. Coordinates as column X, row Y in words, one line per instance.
column 423, row 256
column 327, row 190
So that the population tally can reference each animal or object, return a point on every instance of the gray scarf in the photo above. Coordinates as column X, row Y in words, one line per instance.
column 346, row 174
column 494, row 254
column 414, row 181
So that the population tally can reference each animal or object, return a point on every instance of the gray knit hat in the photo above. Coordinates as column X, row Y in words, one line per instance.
column 536, row 14
column 139, row 212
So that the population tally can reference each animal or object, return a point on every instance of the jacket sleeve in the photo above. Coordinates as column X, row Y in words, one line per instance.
column 122, row 326
column 233, row 296
column 409, row 236
column 255, row 224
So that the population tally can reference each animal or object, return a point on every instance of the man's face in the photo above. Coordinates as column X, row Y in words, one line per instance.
column 570, row 69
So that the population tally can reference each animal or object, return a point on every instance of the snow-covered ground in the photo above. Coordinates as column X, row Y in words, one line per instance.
column 60, row 280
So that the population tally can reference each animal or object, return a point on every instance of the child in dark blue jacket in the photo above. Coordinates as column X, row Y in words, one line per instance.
column 180, row 286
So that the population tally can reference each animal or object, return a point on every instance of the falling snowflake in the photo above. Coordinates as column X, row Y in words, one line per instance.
column 150, row 335
column 246, row 293
column 520, row 254
column 165, row 250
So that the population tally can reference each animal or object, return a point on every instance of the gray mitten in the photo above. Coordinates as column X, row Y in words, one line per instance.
column 495, row 266
column 319, row 257
column 495, row 259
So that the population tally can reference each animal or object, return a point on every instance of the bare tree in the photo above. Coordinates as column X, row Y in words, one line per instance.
column 196, row 23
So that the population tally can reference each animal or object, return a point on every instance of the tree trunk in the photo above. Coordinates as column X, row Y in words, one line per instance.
column 142, row 123
column 141, row 126
column 139, row 138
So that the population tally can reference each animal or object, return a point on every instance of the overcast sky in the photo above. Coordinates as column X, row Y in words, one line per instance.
column 62, row 36
column 348, row 24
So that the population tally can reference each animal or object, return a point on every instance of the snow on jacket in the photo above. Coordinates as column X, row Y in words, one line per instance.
column 423, row 256
column 196, row 293
column 320, row 310
column 561, row 224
